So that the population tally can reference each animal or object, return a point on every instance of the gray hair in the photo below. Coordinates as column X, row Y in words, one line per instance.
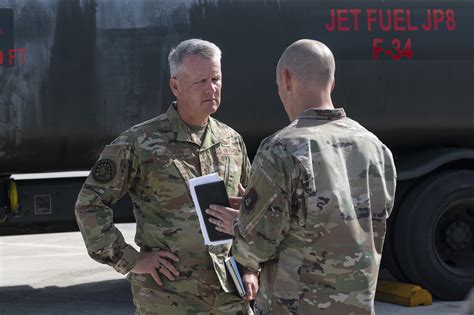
column 311, row 62
column 192, row 47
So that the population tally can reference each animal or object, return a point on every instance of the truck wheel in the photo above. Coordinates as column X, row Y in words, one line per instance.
column 434, row 234
column 389, row 257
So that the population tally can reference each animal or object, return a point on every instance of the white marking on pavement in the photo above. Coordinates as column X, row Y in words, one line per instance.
column 43, row 245
column 42, row 256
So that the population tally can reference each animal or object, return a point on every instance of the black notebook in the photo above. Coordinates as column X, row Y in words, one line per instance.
column 206, row 190
column 212, row 194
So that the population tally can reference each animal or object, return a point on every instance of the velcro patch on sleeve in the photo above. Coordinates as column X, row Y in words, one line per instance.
column 249, row 201
column 112, row 150
column 104, row 171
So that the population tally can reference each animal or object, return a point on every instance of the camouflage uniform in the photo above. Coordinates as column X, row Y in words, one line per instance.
column 313, row 216
column 153, row 162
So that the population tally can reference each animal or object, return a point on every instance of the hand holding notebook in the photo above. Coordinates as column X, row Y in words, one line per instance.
column 207, row 190
column 224, row 217
column 210, row 190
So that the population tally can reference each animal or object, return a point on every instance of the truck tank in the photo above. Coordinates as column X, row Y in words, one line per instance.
column 75, row 73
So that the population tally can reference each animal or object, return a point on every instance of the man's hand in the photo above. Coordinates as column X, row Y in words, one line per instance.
column 250, row 280
column 235, row 201
column 151, row 262
column 224, row 216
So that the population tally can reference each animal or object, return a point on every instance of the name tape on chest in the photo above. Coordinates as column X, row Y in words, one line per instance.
column 228, row 150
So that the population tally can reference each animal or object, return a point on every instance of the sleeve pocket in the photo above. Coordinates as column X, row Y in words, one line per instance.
column 258, row 198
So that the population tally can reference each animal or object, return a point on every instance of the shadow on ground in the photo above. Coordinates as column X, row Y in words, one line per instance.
column 104, row 297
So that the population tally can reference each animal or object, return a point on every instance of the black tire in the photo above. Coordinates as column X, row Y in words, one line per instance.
column 434, row 234
column 389, row 258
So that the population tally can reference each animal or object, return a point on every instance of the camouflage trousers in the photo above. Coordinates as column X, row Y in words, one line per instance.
column 148, row 301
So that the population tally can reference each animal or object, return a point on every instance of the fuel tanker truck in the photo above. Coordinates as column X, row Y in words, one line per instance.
column 75, row 73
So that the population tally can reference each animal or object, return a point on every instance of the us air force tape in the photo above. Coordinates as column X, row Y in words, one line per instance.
column 103, row 171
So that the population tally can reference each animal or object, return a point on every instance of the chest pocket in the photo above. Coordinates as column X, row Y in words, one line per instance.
column 167, row 181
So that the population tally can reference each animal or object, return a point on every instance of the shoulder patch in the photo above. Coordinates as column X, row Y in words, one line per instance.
column 249, row 200
column 112, row 149
column 104, row 170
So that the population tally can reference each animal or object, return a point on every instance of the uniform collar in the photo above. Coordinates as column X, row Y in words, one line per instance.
column 323, row 114
column 181, row 130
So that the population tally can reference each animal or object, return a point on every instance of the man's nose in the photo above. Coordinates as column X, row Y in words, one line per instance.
column 211, row 87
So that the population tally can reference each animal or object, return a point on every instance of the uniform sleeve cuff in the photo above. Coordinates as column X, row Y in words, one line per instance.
column 128, row 260
column 244, row 258
column 247, row 269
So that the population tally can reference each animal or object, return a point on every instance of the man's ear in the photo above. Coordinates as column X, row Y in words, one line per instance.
column 174, row 86
column 287, row 79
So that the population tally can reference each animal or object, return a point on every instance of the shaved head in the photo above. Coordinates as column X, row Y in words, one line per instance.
column 305, row 77
column 310, row 61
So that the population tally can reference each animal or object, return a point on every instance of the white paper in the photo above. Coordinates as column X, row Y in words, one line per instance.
column 206, row 179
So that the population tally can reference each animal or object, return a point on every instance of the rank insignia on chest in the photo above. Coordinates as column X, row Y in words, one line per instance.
column 250, row 200
column 103, row 171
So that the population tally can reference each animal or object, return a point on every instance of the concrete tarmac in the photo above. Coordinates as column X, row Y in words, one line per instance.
column 52, row 274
